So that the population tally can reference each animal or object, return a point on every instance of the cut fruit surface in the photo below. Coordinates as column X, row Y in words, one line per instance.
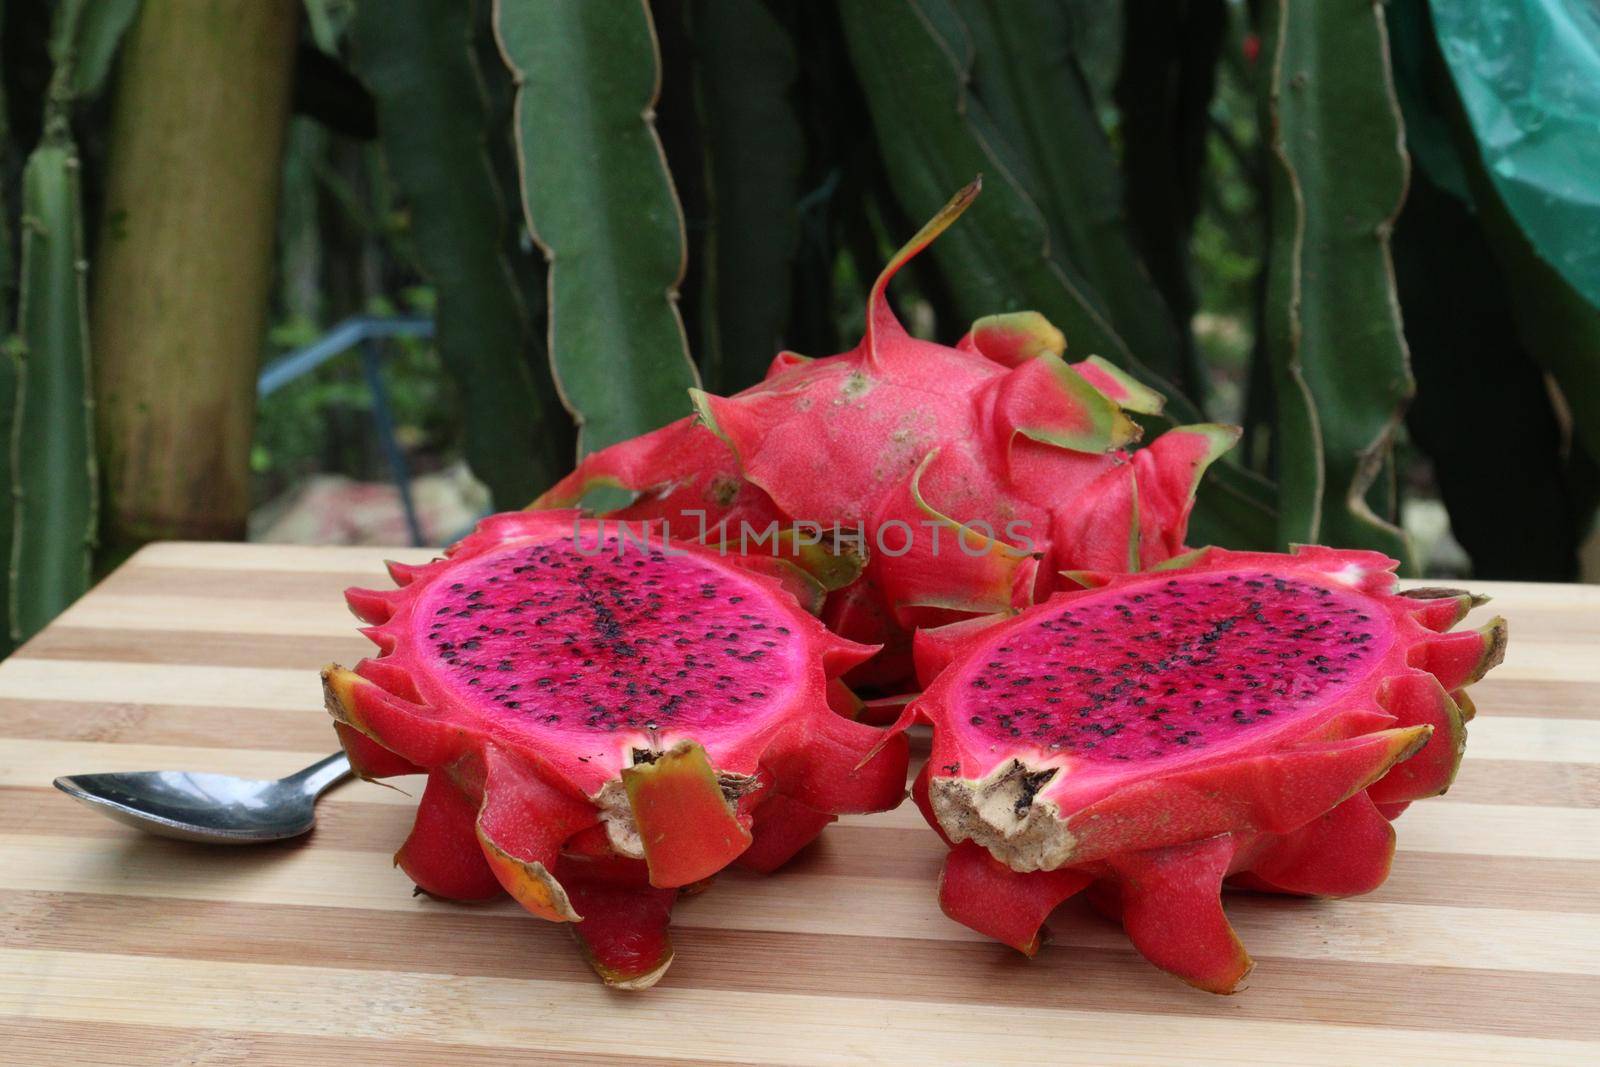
column 1264, row 704
column 565, row 680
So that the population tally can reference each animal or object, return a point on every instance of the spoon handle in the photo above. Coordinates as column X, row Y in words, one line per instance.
column 321, row 774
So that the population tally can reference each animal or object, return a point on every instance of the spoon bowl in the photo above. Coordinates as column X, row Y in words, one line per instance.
column 213, row 808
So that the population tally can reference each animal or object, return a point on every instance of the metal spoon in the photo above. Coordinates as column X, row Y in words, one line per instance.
column 215, row 808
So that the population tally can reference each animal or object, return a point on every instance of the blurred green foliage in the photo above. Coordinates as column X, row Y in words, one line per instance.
column 1170, row 181
column 1098, row 125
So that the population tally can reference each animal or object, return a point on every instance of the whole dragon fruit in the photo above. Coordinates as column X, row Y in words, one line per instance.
column 973, row 474
column 1246, row 717
column 605, row 721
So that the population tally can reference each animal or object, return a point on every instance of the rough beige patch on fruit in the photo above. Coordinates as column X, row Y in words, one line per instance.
column 1002, row 812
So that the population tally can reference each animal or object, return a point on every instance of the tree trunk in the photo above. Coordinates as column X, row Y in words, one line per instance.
column 184, row 265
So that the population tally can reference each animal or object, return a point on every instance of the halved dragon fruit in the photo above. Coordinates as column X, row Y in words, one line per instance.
column 975, row 473
column 1246, row 716
column 605, row 720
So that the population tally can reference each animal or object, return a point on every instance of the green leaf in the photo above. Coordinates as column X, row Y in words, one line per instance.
column 416, row 57
column 320, row 21
column 1026, row 72
column 933, row 137
column 100, row 32
column 1418, row 72
column 53, row 442
column 1297, row 432
column 55, row 504
column 1469, row 360
column 1333, row 321
column 1489, row 324
column 600, row 203
column 10, row 365
column 1163, row 95
column 745, row 75
column 8, row 282
column 1559, row 327
column 8, row 383
column 1555, row 324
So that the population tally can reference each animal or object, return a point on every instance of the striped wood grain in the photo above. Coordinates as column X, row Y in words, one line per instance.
column 1483, row 946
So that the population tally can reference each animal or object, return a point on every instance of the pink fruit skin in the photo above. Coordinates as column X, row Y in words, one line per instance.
column 995, row 432
column 1251, row 716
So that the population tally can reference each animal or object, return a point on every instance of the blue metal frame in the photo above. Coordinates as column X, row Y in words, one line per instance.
column 368, row 332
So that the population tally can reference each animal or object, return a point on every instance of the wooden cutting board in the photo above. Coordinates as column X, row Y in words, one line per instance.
column 121, row 949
